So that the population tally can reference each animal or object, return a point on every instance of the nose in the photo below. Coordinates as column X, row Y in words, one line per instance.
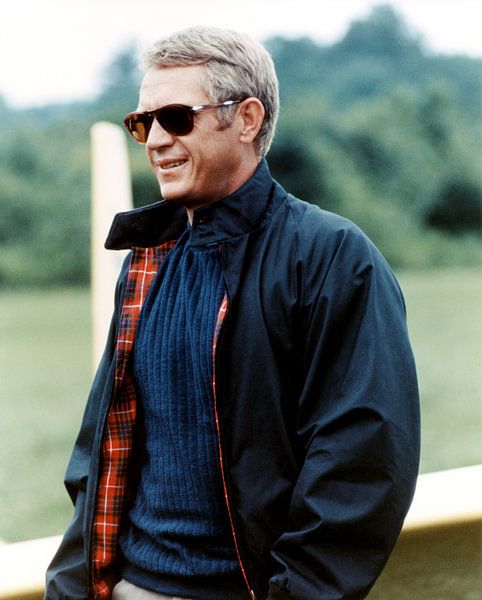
column 159, row 137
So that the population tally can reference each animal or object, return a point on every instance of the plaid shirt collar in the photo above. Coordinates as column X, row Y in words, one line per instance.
column 238, row 213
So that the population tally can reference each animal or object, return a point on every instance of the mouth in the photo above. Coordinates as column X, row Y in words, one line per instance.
column 167, row 165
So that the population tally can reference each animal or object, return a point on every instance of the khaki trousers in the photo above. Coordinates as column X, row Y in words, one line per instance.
column 128, row 591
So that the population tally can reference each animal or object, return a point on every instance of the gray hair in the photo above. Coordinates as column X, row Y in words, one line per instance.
column 236, row 67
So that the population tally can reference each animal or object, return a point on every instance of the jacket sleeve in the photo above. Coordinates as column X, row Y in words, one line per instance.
column 359, row 426
column 67, row 575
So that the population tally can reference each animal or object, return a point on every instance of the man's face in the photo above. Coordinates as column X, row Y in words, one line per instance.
column 199, row 168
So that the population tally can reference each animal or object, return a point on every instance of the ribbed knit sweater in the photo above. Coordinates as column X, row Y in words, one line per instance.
column 176, row 538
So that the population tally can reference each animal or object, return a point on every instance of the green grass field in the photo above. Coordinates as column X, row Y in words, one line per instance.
column 445, row 323
column 46, row 370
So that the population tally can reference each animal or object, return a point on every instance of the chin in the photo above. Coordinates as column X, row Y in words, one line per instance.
column 171, row 194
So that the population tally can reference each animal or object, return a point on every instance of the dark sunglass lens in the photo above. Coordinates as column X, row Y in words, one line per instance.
column 176, row 120
column 139, row 126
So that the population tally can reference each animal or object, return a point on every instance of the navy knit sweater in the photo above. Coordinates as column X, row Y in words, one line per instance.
column 176, row 538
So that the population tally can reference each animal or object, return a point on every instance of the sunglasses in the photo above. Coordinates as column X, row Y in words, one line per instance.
column 177, row 119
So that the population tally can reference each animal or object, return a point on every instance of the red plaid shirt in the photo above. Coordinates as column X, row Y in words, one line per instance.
column 118, row 433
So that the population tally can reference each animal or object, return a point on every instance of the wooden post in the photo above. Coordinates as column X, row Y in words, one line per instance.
column 111, row 193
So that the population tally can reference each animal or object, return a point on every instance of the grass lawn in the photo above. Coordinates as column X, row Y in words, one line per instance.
column 444, row 317
column 45, row 373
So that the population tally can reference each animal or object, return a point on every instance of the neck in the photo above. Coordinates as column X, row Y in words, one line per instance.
column 247, row 175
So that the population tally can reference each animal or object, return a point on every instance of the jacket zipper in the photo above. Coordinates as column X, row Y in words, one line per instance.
column 221, row 457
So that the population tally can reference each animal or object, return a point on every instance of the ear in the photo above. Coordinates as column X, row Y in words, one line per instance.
column 251, row 114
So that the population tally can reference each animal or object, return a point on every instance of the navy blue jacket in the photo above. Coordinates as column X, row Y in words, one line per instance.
column 317, row 396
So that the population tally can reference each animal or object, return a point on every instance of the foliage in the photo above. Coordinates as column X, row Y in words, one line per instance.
column 376, row 55
column 44, row 194
column 373, row 127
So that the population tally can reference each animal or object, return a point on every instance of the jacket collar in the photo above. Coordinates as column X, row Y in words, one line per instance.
column 244, row 210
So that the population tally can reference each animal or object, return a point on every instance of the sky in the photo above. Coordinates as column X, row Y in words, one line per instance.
column 57, row 50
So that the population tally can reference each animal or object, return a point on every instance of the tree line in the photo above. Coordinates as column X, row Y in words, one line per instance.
column 374, row 127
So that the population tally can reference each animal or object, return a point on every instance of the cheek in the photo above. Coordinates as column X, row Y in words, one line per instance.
column 151, row 162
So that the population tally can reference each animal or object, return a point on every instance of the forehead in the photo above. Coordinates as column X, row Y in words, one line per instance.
column 171, row 85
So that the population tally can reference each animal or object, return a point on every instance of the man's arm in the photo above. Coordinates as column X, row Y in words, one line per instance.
column 359, row 422
column 67, row 575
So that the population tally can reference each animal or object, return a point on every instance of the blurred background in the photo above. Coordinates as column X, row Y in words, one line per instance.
column 380, row 122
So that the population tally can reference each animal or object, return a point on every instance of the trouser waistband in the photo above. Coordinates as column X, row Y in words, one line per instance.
column 125, row 590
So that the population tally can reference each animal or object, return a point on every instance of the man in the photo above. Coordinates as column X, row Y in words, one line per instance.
column 253, row 428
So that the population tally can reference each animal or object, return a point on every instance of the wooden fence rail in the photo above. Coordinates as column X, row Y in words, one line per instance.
column 438, row 552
